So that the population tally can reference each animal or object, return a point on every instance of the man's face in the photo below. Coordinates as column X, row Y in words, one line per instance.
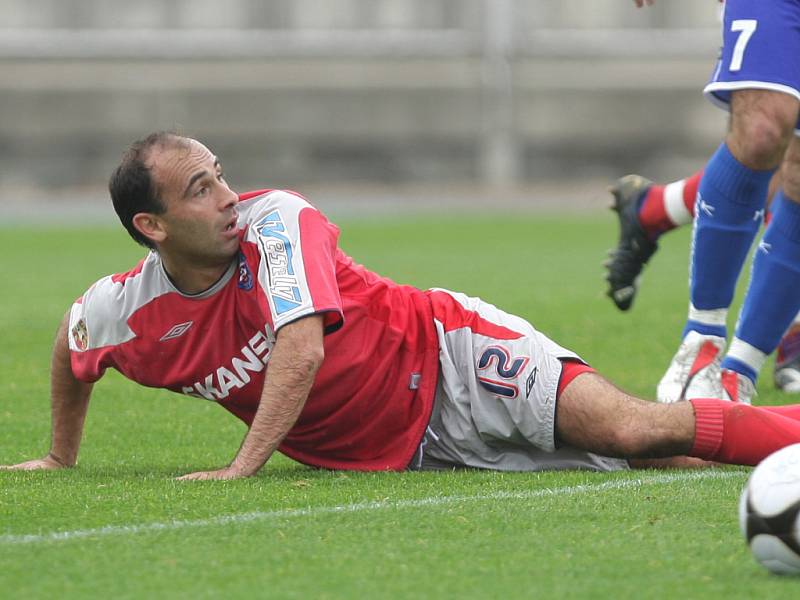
column 199, row 223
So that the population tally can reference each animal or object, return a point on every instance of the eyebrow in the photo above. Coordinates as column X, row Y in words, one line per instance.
column 197, row 176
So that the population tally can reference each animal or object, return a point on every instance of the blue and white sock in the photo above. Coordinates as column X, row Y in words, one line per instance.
column 729, row 209
column 773, row 298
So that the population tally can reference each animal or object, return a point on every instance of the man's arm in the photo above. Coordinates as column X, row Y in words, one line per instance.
column 69, row 399
column 293, row 364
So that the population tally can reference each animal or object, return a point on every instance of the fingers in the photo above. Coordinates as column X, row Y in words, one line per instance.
column 39, row 464
column 199, row 476
column 220, row 474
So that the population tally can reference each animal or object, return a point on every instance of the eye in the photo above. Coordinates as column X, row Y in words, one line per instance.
column 201, row 191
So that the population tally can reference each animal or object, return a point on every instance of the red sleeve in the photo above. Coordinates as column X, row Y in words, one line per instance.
column 88, row 364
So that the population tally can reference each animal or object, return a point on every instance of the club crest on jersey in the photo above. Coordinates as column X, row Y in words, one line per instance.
column 245, row 275
column 80, row 335
column 499, row 370
column 284, row 287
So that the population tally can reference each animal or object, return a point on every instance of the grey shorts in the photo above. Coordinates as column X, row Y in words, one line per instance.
column 496, row 396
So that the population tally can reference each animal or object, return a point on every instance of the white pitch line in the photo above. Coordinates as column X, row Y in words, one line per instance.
column 117, row 530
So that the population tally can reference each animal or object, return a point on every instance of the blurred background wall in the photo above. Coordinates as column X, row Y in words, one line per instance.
column 287, row 92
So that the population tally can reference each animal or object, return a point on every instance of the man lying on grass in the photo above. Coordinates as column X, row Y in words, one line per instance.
column 246, row 300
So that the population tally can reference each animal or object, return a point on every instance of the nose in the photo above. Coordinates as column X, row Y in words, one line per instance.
column 229, row 198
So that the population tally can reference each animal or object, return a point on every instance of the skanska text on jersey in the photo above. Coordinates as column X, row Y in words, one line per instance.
column 252, row 358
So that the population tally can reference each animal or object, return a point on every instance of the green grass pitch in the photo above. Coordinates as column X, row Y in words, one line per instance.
column 120, row 526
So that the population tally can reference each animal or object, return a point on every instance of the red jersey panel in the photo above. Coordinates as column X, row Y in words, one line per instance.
column 372, row 397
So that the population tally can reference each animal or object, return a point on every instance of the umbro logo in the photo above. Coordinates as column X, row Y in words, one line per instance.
column 176, row 331
column 705, row 206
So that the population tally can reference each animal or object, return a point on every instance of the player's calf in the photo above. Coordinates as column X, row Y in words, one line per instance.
column 594, row 415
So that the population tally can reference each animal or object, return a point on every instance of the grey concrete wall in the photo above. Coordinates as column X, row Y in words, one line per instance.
column 581, row 104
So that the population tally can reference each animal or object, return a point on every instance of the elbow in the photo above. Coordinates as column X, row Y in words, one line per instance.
column 313, row 358
column 318, row 356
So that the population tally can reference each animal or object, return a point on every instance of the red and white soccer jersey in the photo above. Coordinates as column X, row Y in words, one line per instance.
column 372, row 397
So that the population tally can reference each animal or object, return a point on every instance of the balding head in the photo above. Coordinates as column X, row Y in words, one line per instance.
column 132, row 186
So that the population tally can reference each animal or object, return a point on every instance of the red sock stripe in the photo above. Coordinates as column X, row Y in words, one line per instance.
column 652, row 214
column 690, row 191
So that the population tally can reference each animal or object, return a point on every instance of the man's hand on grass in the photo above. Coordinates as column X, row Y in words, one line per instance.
column 48, row 463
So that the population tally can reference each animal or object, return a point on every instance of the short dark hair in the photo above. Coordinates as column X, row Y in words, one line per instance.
column 132, row 187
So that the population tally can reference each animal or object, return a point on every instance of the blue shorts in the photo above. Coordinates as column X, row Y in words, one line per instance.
column 760, row 50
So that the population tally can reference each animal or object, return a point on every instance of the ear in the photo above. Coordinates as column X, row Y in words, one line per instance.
column 150, row 226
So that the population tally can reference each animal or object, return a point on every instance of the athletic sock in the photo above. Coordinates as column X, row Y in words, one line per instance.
column 665, row 207
column 744, row 358
column 735, row 433
column 773, row 297
column 707, row 322
column 728, row 214
column 790, row 411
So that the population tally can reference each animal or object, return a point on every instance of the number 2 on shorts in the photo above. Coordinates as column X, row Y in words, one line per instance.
column 746, row 28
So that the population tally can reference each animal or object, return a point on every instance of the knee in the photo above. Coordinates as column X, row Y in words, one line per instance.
column 761, row 129
column 758, row 142
column 630, row 442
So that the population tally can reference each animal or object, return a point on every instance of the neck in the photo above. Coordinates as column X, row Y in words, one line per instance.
column 194, row 278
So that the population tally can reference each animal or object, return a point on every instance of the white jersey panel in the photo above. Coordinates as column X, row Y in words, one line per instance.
column 100, row 317
column 273, row 223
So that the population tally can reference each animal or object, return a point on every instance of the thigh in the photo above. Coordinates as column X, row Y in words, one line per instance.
column 753, row 105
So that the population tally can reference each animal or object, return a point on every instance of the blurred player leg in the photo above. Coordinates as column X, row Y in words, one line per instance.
column 665, row 207
column 661, row 208
column 645, row 211
column 773, row 298
column 763, row 97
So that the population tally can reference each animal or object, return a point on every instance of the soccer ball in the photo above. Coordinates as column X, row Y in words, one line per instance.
column 769, row 511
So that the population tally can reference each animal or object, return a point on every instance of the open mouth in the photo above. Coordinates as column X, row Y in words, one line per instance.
column 232, row 224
